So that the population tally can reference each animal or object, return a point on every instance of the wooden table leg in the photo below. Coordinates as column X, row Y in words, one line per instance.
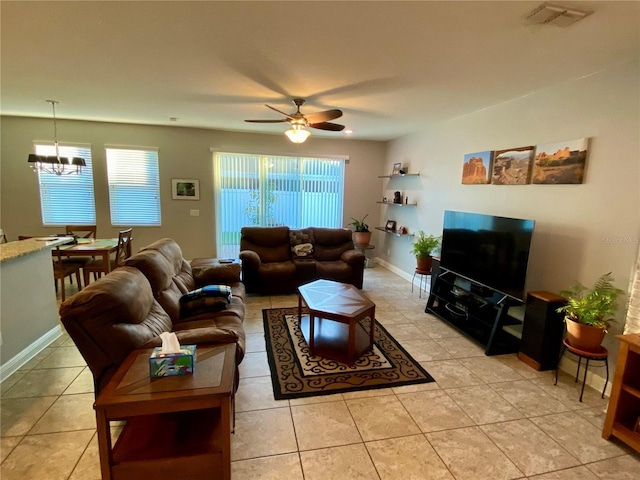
column 104, row 444
column 225, row 441
column 373, row 326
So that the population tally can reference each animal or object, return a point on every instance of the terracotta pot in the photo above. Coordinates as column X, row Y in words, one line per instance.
column 584, row 337
column 424, row 263
column 361, row 238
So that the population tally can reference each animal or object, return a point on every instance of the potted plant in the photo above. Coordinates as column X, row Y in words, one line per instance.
column 362, row 235
column 423, row 249
column 589, row 312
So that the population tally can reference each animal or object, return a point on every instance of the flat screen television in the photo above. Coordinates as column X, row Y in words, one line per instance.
column 492, row 251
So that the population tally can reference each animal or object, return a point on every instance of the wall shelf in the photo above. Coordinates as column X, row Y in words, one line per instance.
column 399, row 204
column 394, row 233
column 400, row 175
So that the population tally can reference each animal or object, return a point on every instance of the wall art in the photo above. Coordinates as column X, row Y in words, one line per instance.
column 512, row 166
column 476, row 169
column 560, row 162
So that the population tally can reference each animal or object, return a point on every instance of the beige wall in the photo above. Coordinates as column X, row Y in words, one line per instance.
column 581, row 231
column 183, row 153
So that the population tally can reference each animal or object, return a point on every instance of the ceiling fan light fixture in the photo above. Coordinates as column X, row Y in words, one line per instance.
column 297, row 134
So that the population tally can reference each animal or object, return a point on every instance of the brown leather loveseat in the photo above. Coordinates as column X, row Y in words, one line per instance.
column 278, row 259
column 130, row 307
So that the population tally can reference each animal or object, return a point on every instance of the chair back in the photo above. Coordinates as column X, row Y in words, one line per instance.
column 82, row 231
column 123, row 250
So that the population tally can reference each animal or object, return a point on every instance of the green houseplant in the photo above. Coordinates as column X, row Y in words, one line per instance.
column 362, row 235
column 423, row 249
column 589, row 312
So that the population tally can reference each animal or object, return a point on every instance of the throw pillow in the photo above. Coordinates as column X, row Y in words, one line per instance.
column 208, row 298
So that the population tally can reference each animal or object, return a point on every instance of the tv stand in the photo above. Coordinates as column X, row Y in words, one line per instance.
column 479, row 312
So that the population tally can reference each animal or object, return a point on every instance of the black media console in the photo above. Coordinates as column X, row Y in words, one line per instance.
column 479, row 312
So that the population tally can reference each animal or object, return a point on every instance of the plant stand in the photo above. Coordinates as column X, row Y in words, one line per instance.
column 601, row 355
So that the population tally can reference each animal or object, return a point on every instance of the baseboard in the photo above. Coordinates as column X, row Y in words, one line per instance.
column 10, row 367
column 394, row 269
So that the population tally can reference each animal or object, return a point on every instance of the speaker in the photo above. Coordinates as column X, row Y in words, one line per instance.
column 542, row 330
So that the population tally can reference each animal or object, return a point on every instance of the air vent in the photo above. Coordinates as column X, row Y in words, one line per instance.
column 557, row 15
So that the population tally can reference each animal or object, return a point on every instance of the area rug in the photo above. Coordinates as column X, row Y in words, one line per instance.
column 296, row 374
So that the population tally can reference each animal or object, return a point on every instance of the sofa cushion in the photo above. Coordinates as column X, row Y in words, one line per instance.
column 270, row 243
column 331, row 243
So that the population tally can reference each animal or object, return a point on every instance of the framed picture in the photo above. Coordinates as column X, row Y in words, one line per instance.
column 560, row 162
column 397, row 168
column 391, row 225
column 476, row 169
column 512, row 166
column 185, row 189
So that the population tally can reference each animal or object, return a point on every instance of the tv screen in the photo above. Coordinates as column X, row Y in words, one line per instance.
column 489, row 250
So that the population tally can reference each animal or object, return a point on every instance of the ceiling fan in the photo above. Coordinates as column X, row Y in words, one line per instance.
column 298, row 121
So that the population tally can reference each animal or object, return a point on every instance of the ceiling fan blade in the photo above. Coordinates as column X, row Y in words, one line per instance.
column 334, row 127
column 267, row 121
column 280, row 112
column 325, row 116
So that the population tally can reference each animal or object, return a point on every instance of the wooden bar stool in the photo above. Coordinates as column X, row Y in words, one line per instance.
column 602, row 355
column 423, row 274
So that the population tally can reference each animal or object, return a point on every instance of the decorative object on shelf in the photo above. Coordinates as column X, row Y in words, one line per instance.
column 423, row 248
column 397, row 197
column 384, row 200
column 512, row 166
column 560, row 162
column 402, row 230
column 185, row 189
column 397, row 167
column 589, row 312
column 362, row 234
column 53, row 164
column 391, row 225
column 477, row 168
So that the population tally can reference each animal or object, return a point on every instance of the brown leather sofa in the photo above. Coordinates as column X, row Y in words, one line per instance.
column 130, row 307
column 270, row 264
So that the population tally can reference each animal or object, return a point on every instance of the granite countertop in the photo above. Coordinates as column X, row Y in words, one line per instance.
column 12, row 250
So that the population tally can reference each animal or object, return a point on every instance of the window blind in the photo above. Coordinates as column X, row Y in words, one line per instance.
column 67, row 199
column 134, row 187
column 275, row 190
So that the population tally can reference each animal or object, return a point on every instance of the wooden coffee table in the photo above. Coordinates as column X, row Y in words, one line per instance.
column 333, row 329
column 176, row 427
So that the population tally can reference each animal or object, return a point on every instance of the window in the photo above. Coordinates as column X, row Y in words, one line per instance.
column 67, row 199
column 269, row 191
column 134, row 186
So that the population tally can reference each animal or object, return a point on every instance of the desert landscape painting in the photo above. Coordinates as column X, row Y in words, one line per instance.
column 560, row 162
column 512, row 166
column 476, row 168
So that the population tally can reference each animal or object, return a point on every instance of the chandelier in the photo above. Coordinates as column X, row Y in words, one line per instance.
column 54, row 164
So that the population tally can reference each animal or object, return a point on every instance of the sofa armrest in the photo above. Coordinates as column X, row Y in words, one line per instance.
column 210, row 272
column 250, row 259
column 198, row 336
column 353, row 258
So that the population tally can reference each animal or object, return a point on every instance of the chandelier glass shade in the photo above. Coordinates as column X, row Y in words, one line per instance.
column 54, row 164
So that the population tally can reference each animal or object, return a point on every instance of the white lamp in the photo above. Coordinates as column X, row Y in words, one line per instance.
column 297, row 134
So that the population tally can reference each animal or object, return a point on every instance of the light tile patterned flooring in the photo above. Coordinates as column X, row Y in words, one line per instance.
column 484, row 418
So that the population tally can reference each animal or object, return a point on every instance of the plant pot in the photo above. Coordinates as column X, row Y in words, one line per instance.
column 424, row 263
column 362, row 238
column 584, row 337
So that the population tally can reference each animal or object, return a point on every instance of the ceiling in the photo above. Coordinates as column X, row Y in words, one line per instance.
column 392, row 67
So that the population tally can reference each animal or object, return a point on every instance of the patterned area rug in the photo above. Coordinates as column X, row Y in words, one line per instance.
column 296, row 374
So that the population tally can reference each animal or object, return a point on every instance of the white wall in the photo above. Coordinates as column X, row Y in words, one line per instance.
column 581, row 231
column 183, row 153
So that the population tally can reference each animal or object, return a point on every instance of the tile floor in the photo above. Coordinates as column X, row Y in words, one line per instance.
column 484, row 418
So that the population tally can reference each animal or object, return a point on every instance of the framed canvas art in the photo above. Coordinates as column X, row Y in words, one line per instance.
column 512, row 166
column 185, row 189
column 476, row 169
column 560, row 162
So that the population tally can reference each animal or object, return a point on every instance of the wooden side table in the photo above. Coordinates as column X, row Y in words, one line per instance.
column 176, row 427
column 623, row 413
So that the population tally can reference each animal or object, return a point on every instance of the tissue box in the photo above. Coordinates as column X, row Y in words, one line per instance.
column 169, row 364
